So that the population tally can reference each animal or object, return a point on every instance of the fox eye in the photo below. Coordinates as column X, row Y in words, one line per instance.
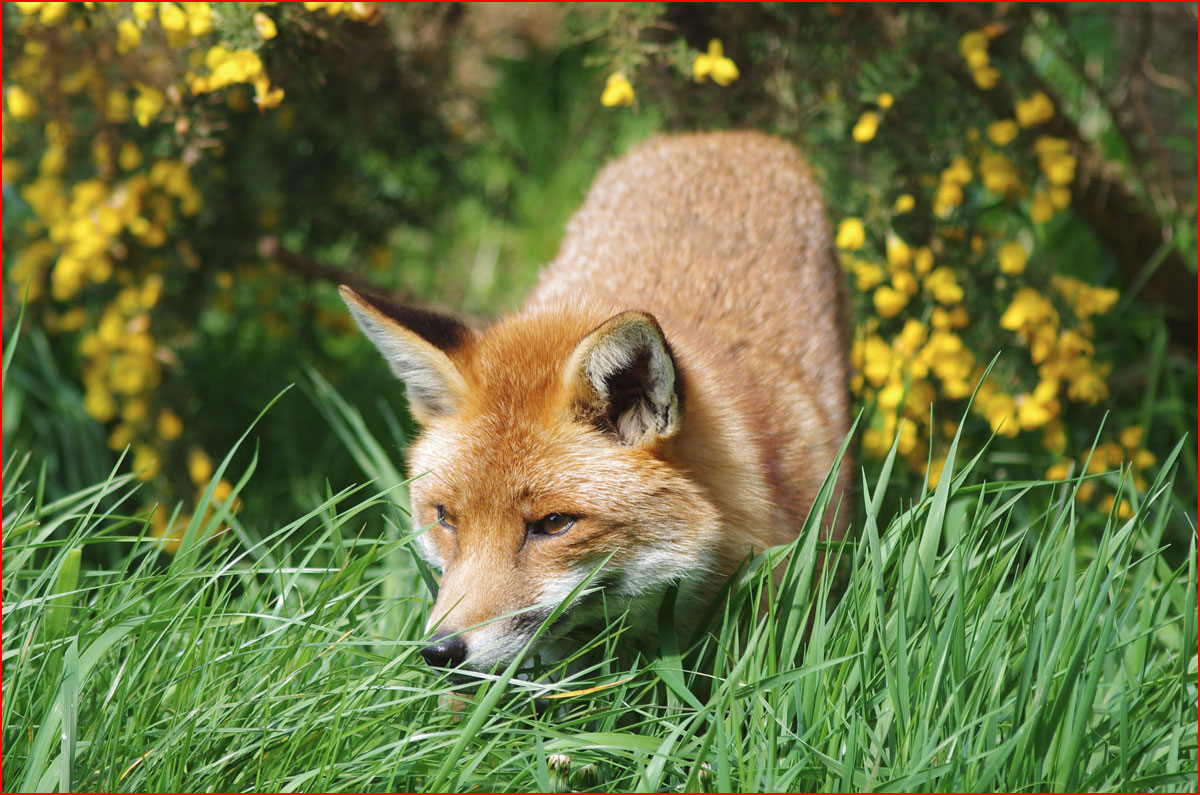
column 445, row 519
column 551, row 525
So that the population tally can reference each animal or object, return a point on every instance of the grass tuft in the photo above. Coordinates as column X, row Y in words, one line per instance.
column 967, row 642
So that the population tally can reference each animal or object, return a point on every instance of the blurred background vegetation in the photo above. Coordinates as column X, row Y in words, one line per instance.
column 185, row 184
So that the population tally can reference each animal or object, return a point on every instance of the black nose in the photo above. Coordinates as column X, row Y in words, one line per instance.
column 445, row 651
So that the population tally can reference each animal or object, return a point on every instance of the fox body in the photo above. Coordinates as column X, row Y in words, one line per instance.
column 668, row 401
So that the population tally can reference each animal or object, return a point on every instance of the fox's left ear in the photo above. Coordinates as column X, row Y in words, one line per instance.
column 420, row 346
column 622, row 377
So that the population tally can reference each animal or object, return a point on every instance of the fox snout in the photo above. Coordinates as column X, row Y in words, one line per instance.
column 445, row 651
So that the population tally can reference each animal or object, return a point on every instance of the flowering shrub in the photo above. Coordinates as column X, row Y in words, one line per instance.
column 103, row 97
column 940, row 305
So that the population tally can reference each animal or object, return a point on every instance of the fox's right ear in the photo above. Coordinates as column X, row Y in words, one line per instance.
column 622, row 377
column 417, row 344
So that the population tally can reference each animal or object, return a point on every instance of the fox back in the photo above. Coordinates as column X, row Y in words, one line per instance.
column 667, row 402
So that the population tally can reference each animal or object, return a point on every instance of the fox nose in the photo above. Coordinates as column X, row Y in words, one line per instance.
column 445, row 651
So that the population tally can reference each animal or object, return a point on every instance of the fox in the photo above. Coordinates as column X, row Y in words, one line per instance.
column 667, row 402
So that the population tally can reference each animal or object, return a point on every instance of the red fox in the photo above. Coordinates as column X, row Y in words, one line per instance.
column 668, row 401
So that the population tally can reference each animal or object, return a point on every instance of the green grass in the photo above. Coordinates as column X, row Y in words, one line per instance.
column 973, row 642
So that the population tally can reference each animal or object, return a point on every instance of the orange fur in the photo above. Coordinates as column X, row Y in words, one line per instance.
column 719, row 240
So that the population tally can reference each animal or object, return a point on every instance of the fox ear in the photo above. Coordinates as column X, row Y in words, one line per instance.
column 417, row 344
column 623, row 378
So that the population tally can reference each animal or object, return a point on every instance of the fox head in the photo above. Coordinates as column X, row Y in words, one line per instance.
column 543, row 459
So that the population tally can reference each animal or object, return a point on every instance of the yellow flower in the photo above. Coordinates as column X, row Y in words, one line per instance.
column 973, row 47
column 986, row 77
column 905, row 282
column 899, row 255
column 1060, row 471
column 998, row 410
column 52, row 13
column 904, row 204
column 921, row 395
column 1143, row 459
column 1002, row 133
column 238, row 66
column 116, row 106
column 199, row 465
column 29, row 8
column 873, row 358
column 54, row 160
column 145, row 462
column 890, row 396
column 199, row 18
column 1047, row 146
column 134, row 411
column 1054, row 437
column 865, row 129
column 947, row 356
column 999, row 175
column 1060, row 197
column 923, row 261
column 910, row 337
column 875, row 443
column 1104, row 457
column 943, row 285
column 169, row 425
column 908, row 438
column 1087, row 386
column 264, row 25
column 1012, row 258
column 128, row 36
column 1087, row 300
column 1060, row 170
column 130, row 156
column 885, row 100
column 1032, row 413
column 21, row 104
column 947, row 197
column 1028, row 308
column 1034, row 110
column 1041, row 209
column 866, row 274
column 99, row 403
column 1131, row 437
column 147, row 105
column 1124, row 511
column 121, row 437
column 617, row 91
column 172, row 17
column 850, row 234
column 158, row 527
column 958, row 172
column 934, row 472
column 73, row 319
column 150, row 292
column 714, row 64
column 889, row 302
column 67, row 278
column 264, row 95
column 144, row 11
